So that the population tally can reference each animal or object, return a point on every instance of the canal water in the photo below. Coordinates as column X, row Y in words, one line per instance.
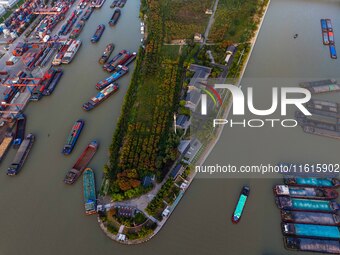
column 41, row 215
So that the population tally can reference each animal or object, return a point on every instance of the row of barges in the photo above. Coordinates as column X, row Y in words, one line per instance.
column 118, row 3
column 309, row 213
column 328, row 36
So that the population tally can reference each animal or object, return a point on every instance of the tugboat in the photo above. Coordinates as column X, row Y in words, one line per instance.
column 73, row 137
column 114, row 19
column 82, row 162
column 98, row 34
column 107, row 53
column 101, row 96
column 89, row 187
column 240, row 205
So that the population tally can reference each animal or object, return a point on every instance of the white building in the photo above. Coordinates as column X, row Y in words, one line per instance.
column 8, row 3
column 2, row 10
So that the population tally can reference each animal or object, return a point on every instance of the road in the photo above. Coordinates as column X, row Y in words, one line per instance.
column 210, row 23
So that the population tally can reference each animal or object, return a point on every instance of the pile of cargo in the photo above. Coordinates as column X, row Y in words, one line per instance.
column 20, row 19
column 309, row 213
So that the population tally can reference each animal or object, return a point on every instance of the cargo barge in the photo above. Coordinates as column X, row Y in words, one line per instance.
column 21, row 155
column 311, row 231
column 115, row 17
column 5, row 145
column 329, row 25
column 305, row 192
column 124, row 60
column 58, row 57
column 297, row 204
column 19, row 134
column 107, row 53
column 312, row 182
column 332, row 52
column 87, row 14
column 89, row 187
column 98, row 34
column 54, row 82
column 77, row 29
column 101, row 96
column 38, row 91
column 71, row 52
column 114, row 4
column 312, row 245
column 122, row 70
column 81, row 163
column 115, row 60
column 236, row 217
column 323, row 86
column 321, row 132
column 327, row 219
column 322, row 107
column 97, row 3
column 73, row 137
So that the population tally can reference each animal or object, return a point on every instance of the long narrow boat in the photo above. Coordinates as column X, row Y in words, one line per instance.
column 331, row 37
column 325, row 38
column 87, row 14
column 315, row 218
column 311, row 231
column 236, row 217
column 107, row 53
column 125, row 60
column 312, row 245
column 332, row 52
column 82, row 162
column 305, row 192
column 122, row 70
column 5, row 145
column 115, row 16
column 89, row 187
column 77, row 29
column 312, row 182
column 73, row 137
column 19, row 134
column 98, row 34
column 101, row 96
column 323, row 25
column 21, row 155
column 54, row 82
column 114, row 4
column 114, row 60
column 297, row 204
column 329, row 25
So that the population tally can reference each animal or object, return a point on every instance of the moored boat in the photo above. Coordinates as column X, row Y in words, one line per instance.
column 311, row 231
column 21, row 155
column 73, row 137
column 115, row 16
column 312, row 245
column 107, row 53
column 315, row 218
column 325, row 38
column 101, row 96
column 71, row 52
column 305, row 192
column 312, row 182
column 121, row 71
column 125, row 59
column 87, row 14
column 329, row 25
column 54, row 82
column 82, row 162
column 236, row 217
column 115, row 60
column 332, row 52
column 19, row 134
column 297, row 204
column 114, row 4
column 323, row 25
column 331, row 37
column 77, row 29
column 99, row 32
column 89, row 187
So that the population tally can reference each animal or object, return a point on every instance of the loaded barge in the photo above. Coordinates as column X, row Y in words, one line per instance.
column 312, row 182
column 236, row 217
column 329, row 219
column 101, row 96
column 71, row 52
column 316, row 87
column 296, row 204
column 98, row 34
column 82, row 162
column 115, row 16
column 305, row 192
column 54, row 82
column 124, row 58
column 19, row 134
column 89, row 187
column 322, row 107
column 312, row 245
column 73, row 137
column 5, row 145
column 106, row 54
column 21, row 155
column 122, row 70
column 311, row 231
column 87, row 14
column 77, row 29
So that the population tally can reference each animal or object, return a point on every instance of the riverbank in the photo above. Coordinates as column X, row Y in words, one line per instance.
column 119, row 237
